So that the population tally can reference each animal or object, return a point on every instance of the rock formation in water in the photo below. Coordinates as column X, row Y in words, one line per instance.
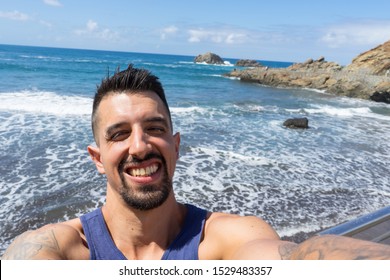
column 209, row 58
column 247, row 63
column 297, row 123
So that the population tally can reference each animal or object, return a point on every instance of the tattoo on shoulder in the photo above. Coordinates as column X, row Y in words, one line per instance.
column 29, row 244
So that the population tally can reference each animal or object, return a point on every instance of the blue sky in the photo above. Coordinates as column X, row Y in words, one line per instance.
column 265, row 30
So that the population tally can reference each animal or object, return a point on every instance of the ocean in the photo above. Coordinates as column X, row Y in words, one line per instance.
column 236, row 156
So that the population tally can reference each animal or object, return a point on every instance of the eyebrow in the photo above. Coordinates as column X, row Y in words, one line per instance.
column 110, row 130
column 163, row 121
column 115, row 126
column 157, row 120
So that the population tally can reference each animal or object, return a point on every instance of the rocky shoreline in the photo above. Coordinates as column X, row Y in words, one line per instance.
column 367, row 77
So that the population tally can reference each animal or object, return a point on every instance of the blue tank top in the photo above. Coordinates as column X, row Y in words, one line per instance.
column 184, row 247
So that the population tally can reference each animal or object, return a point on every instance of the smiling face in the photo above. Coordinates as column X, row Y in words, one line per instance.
column 137, row 151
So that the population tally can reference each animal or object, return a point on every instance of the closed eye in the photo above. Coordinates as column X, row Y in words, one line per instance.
column 156, row 125
column 119, row 135
column 156, row 130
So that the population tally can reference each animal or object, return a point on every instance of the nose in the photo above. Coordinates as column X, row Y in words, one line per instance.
column 139, row 146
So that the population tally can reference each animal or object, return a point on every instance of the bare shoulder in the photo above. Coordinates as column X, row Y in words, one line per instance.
column 242, row 226
column 53, row 241
column 228, row 236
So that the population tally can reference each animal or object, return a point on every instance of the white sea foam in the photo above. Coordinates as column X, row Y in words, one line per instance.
column 42, row 57
column 361, row 111
column 188, row 110
column 250, row 107
column 341, row 112
column 230, row 156
column 231, row 78
column 316, row 90
column 45, row 103
column 186, row 62
column 225, row 64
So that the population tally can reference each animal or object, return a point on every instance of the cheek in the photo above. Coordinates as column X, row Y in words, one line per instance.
column 170, row 158
column 114, row 154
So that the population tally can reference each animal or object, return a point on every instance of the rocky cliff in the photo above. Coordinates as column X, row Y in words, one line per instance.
column 366, row 77
column 375, row 61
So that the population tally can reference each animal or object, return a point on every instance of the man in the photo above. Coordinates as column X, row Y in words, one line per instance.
column 137, row 151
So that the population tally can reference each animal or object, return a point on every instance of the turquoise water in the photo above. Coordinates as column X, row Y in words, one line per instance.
column 235, row 156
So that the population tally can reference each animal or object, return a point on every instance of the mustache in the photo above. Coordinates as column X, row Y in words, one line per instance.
column 136, row 160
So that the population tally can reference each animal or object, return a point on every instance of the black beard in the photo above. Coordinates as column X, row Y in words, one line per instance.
column 149, row 196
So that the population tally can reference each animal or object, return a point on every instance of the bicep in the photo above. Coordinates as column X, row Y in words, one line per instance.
column 245, row 238
column 265, row 249
column 260, row 241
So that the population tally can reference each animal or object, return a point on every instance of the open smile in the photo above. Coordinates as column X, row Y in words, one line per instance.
column 143, row 171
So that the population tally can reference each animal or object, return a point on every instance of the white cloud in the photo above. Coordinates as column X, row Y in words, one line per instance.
column 92, row 26
column 92, row 30
column 216, row 36
column 170, row 30
column 359, row 33
column 15, row 15
column 45, row 23
column 54, row 3
column 235, row 38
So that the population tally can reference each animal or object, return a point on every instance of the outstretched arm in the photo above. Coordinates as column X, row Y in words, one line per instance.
column 252, row 238
column 334, row 247
column 39, row 244
column 233, row 237
column 327, row 247
column 51, row 242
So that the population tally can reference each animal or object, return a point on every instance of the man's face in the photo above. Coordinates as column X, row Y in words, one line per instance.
column 137, row 150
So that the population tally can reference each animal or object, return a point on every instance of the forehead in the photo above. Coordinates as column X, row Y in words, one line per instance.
column 130, row 107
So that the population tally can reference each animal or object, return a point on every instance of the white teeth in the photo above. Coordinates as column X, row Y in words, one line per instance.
column 144, row 171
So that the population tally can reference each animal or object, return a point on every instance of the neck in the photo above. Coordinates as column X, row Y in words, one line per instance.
column 144, row 234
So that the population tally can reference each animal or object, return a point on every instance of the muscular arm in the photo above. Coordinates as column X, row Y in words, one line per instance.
column 252, row 238
column 333, row 247
column 316, row 248
column 51, row 242
column 232, row 237
column 39, row 244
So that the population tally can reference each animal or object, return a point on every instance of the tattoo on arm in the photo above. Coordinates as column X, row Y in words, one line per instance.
column 339, row 247
column 30, row 244
column 286, row 249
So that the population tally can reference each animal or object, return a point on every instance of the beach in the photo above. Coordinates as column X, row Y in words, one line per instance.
column 236, row 156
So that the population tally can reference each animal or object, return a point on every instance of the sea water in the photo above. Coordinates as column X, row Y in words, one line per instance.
column 235, row 154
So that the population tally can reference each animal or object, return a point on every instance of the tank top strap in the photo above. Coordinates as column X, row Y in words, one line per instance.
column 186, row 244
column 101, row 246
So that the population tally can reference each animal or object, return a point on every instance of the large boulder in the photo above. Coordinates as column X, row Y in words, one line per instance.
column 297, row 123
column 209, row 58
column 247, row 63
column 381, row 97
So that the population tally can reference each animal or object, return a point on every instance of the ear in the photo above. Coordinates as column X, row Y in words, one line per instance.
column 94, row 152
column 176, row 138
